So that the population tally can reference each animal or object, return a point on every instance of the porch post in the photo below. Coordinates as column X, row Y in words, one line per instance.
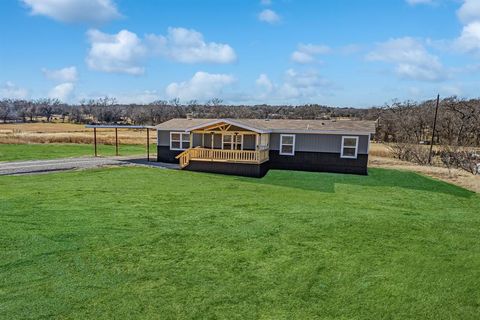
column 191, row 139
column 213, row 136
column 257, row 142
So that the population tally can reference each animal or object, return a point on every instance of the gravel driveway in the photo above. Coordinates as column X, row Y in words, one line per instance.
column 44, row 166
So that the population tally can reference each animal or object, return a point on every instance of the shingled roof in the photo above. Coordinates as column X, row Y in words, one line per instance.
column 275, row 125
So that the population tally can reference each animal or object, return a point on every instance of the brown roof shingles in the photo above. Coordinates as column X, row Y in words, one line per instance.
column 278, row 125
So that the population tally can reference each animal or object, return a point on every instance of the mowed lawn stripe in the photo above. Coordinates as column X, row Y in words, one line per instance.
column 142, row 242
column 22, row 152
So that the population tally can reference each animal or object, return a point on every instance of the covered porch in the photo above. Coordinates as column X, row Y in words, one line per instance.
column 224, row 142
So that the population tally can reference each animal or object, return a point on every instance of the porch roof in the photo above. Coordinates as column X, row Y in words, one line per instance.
column 276, row 125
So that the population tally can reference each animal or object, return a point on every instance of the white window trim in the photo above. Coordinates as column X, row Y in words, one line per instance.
column 356, row 147
column 281, row 145
column 181, row 140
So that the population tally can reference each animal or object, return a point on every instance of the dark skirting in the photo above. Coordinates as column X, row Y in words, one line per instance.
column 301, row 161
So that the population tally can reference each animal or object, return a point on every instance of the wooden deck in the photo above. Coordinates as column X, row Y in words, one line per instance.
column 219, row 155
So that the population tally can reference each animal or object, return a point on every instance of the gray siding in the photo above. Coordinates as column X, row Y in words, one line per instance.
column 319, row 143
column 197, row 139
column 163, row 138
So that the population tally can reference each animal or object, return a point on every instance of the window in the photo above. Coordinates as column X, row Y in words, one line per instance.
column 349, row 147
column 287, row 144
column 232, row 142
column 179, row 141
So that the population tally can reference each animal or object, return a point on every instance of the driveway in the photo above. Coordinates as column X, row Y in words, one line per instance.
column 45, row 166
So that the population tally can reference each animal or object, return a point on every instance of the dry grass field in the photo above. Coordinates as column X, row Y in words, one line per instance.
column 380, row 150
column 19, row 133
column 381, row 157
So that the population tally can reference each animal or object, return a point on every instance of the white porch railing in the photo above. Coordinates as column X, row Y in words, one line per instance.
column 219, row 155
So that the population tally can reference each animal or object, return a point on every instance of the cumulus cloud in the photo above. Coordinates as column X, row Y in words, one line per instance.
column 469, row 11
column 411, row 59
column 201, row 86
column 141, row 97
column 188, row 46
column 269, row 16
column 11, row 91
column 67, row 74
column 264, row 82
column 302, row 84
column 90, row 11
column 469, row 40
column 306, row 53
column 115, row 53
column 62, row 92
column 124, row 51
column 469, row 15
column 296, row 86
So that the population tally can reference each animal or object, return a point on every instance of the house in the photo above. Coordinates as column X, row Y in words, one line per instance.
column 250, row 147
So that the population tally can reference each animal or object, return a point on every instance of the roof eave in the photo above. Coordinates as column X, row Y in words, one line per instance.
column 352, row 132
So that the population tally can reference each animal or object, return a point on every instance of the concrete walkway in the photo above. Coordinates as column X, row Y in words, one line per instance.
column 45, row 166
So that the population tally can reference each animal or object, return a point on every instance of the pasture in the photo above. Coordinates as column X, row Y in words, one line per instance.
column 150, row 243
column 20, row 152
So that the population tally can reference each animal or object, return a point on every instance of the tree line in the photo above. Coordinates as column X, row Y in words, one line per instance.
column 107, row 110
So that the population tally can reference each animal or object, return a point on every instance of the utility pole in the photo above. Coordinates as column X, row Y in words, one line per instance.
column 433, row 132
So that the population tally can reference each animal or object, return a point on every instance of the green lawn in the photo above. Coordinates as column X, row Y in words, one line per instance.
column 18, row 152
column 149, row 243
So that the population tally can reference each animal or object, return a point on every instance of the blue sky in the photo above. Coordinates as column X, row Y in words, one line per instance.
column 339, row 53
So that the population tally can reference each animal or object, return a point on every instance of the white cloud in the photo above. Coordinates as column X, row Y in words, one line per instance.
column 451, row 90
column 469, row 11
column 469, row 15
column 306, row 53
column 188, row 46
column 74, row 10
column 469, row 40
column 303, row 84
column 264, row 82
column 123, row 52
column 142, row 97
column 416, row 2
column 62, row 92
column 118, row 53
column 201, row 86
column 411, row 59
column 67, row 74
column 11, row 91
column 296, row 86
column 269, row 16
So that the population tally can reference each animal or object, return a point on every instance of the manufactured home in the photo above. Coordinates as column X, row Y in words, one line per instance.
column 250, row 147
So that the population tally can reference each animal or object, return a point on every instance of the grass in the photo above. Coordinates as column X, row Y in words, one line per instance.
column 19, row 152
column 149, row 243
